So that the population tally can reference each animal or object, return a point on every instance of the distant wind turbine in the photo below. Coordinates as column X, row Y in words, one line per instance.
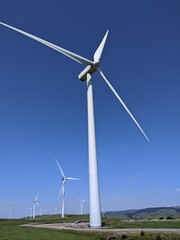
column 85, row 75
column 103, row 212
column 10, row 214
column 41, row 212
column 55, row 210
column 31, row 213
column 81, row 204
column 35, row 202
column 62, row 190
column 27, row 214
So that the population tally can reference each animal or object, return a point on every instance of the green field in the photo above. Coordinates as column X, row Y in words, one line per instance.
column 11, row 229
column 115, row 223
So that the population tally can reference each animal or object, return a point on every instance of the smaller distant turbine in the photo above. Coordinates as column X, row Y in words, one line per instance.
column 10, row 214
column 41, row 211
column 103, row 212
column 62, row 190
column 27, row 214
column 82, row 202
column 55, row 211
column 31, row 212
column 35, row 202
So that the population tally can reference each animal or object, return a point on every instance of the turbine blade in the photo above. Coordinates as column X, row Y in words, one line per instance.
column 60, row 168
column 37, row 204
column 36, row 197
column 97, row 54
column 121, row 101
column 61, row 190
column 68, row 178
column 60, row 193
column 67, row 53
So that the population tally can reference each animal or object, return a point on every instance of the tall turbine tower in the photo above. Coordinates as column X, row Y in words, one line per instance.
column 85, row 75
column 62, row 190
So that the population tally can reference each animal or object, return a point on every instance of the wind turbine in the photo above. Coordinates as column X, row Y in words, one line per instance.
column 35, row 202
column 41, row 211
column 62, row 191
column 85, row 75
column 82, row 202
column 10, row 214
column 103, row 212
column 31, row 213
column 55, row 210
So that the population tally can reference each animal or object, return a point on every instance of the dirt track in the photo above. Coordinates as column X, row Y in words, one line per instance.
column 83, row 227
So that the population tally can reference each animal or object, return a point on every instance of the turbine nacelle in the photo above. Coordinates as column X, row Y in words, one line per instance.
column 89, row 69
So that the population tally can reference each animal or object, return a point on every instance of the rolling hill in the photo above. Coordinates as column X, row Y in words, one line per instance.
column 155, row 212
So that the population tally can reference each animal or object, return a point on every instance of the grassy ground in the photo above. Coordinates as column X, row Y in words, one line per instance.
column 11, row 229
column 115, row 223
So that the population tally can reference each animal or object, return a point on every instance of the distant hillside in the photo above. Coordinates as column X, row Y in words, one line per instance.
column 145, row 213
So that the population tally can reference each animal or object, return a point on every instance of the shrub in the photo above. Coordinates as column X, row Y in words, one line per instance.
column 111, row 238
column 170, row 218
column 124, row 236
column 158, row 237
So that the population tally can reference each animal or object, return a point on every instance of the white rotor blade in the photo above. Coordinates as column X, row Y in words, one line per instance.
column 97, row 54
column 60, row 168
column 37, row 204
column 121, row 101
column 61, row 189
column 68, row 178
column 53, row 46
column 36, row 198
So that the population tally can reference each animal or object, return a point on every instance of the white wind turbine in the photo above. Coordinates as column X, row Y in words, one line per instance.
column 55, row 210
column 10, row 214
column 35, row 202
column 85, row 75
column 41, row 211
column 81, row 203
column 103, row 212
column 31, row 213
column 62, row 190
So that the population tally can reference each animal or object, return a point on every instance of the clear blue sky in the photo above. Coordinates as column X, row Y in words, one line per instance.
column 43, row 104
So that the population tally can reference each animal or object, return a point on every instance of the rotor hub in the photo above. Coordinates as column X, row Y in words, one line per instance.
column 89, row 69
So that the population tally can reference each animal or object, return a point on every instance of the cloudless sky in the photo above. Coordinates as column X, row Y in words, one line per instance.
column 43, row 112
